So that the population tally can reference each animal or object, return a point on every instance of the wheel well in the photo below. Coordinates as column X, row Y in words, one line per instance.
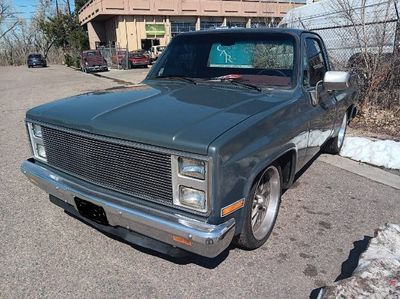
column 287, row 162
column 351, row 112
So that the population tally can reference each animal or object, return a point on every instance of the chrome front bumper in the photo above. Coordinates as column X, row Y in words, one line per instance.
column 205, row 239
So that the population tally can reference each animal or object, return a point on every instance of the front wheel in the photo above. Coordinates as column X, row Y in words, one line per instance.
column 262, row 209
column 335, row 144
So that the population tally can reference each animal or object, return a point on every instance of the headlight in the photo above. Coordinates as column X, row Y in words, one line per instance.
column 192, row 168
column 37, row 131
column 192, row 198
column 36, row 138
column 191, row 182
column 41, row 151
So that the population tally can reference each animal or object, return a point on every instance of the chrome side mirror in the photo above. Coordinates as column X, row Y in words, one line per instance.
column 336, row 80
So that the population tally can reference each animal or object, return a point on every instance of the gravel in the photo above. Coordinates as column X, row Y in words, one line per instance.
column 46, row 253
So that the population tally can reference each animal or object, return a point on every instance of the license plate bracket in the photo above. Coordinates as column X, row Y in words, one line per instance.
column 91, row 211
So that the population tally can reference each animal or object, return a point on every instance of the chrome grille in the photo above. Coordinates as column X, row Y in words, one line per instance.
column 135, row 171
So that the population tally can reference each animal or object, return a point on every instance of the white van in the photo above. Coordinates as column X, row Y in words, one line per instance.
column 376, row 22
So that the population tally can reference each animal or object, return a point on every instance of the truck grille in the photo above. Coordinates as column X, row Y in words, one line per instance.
column 142, row 173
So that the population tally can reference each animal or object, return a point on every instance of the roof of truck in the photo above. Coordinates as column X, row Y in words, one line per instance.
column 297, row 32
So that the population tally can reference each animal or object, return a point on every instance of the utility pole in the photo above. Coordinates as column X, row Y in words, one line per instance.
column 57, row 10
column 69, row 7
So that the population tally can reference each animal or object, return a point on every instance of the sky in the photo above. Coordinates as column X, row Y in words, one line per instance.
column 26, row 8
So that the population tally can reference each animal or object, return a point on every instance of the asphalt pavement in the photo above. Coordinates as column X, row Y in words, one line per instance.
column 46, row 253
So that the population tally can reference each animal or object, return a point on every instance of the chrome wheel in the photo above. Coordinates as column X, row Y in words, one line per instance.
column 342, row 131
column 266, row 203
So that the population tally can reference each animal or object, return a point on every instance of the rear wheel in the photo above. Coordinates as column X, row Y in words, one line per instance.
column 262, row 210
column 335, row 144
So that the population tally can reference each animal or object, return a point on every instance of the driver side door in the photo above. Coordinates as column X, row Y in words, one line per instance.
column 322, row 103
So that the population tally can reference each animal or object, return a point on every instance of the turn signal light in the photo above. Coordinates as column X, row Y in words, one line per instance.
column 232, row 207
column 182, row 240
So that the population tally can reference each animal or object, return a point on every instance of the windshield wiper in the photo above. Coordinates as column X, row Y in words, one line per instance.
column 178, row 77
column 233, row 80
column 251, row 86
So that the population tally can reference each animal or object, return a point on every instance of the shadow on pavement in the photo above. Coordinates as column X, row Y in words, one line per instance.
column 349, row 265
column 177, row 256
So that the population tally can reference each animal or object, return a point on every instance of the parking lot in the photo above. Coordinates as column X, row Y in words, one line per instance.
column 46, row 253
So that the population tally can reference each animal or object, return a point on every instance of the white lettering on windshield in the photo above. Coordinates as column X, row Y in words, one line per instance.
column 228, row 57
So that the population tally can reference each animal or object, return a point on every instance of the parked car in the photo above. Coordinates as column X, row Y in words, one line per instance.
column 199, row 154
column 35, row 60
column 138, row 58
column 128, row 60
column 155, row 52
column 93, row 61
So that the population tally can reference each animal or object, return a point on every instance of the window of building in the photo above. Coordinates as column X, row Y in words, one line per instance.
column 181, row 27
column 204, row 25
column 232, row 24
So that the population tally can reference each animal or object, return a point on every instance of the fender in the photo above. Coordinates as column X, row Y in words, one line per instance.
column 259, row 168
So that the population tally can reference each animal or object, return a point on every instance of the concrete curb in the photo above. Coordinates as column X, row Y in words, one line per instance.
column 364, row 170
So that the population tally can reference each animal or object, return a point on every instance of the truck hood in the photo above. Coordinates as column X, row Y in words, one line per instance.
column 178, row 116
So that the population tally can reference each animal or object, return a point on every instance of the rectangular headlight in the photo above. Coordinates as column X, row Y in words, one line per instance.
column 191, row 182
column 36, row 138
column 37, row 131
column 192, row 168
column 192, row 198
column 41, row 151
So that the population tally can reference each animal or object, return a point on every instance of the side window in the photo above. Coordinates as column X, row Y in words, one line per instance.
column 316, row 65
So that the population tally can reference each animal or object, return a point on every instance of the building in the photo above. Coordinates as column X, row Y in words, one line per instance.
column 139, row 24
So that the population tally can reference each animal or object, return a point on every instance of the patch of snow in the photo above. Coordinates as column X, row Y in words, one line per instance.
column 378, row 271
column 384, row 153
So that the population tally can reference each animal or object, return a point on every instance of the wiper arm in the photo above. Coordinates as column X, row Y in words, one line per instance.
column 251, row 86
column 232, row 80
column 177, row 77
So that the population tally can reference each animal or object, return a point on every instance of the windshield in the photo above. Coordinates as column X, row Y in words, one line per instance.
column 35, row 56
column 136, row 54
column 260, row 59
column 91, row 53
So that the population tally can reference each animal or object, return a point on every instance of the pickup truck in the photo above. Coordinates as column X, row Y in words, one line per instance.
column 197, row 156
column 92, row 61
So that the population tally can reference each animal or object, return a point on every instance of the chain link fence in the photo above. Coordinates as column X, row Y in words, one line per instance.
column 115, row 56
column 362, row 37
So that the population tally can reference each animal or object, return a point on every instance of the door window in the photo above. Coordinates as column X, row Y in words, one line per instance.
column 315, row 62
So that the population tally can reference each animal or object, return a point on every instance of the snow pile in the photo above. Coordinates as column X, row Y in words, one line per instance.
column 384, row 153
column 378, row 271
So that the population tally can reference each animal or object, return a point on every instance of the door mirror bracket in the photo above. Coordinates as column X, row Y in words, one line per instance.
column 315, row 94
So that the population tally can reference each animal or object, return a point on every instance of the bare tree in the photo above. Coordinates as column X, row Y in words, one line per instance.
column 27, row 37
column 368, row 30
column 8, row 20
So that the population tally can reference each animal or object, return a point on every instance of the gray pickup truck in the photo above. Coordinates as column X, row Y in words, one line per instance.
column 197, row 156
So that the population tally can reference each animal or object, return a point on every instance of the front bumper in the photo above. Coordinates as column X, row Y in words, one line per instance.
column 205, row 239
column 97, row 68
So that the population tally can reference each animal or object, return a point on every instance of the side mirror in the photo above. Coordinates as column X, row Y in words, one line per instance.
column 336, row 80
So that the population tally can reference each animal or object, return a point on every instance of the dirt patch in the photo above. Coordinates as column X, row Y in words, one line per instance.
column 377, row 123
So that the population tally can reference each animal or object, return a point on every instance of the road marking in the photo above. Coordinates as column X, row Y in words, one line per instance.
column 364, row 170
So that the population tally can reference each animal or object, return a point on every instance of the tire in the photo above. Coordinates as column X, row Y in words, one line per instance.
column 260, row 216
column 335, row 144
